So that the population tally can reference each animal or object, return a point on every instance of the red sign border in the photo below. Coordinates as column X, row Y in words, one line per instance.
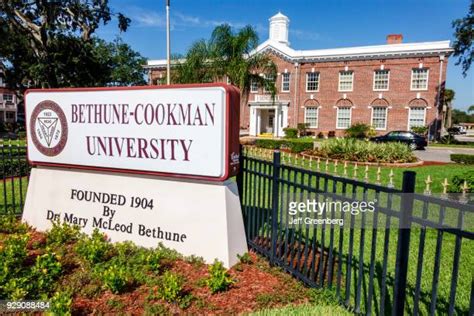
column 231, row 99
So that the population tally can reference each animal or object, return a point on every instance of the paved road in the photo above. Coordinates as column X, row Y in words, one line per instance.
column 441, row 154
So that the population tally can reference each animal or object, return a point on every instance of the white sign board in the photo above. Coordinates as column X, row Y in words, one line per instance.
column 180, row 131
column 202, row 219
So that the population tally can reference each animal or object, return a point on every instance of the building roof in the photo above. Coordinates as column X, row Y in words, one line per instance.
column 345, row 53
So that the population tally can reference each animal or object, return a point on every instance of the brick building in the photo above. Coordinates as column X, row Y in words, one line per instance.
column 393, row 86
column 8, row 101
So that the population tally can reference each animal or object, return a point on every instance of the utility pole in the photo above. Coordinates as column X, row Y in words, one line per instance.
column 168, row 49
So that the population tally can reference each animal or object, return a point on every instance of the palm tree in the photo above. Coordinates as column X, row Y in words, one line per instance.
column 447, row 102
column 228, row 54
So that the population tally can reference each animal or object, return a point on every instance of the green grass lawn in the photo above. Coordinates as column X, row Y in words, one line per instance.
column 308, row 309
column 364, row 248
column 12, row 194
column 463, row 145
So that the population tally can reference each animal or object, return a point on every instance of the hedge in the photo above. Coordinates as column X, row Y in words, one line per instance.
column 294, row 145
column 463, row 158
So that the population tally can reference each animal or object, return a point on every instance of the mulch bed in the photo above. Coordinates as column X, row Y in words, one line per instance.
column 252, row 281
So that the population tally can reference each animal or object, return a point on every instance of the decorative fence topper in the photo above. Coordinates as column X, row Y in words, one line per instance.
column 180, row 131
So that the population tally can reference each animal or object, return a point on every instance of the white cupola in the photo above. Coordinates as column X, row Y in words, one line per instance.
column 279, row 26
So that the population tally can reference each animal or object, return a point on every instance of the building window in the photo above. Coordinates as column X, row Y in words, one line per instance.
column 416, row 117
column 285, row 82
column 8, row 98
column 346, row 78
column 271, row 80
column 10, row 115
column 419, row 79
column 343, row 117
column 2, row 84
column 381, row 78
column 312, row 81
column 379, row 117
column 253, row 86
column 311, row 116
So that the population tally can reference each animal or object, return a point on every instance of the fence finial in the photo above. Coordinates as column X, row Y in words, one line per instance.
column 379, row 171
column 354, row 175
column 390, row 179
column 326, row 168
column 345, row 169
column 366, row 176
column 318, row 164
column 428, row 182
column 445, row 185
column 310, row 162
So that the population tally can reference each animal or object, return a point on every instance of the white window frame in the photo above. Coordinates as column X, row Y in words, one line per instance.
column 317, row 81
column 352, row 81
column 427, row 79
column 409, row 116
column 7, row 94
column 337, row 117
column 283, row 81
column 317, row 115
column 372, row 118
column 266, row 78
column 388, row 79
column 252, row 83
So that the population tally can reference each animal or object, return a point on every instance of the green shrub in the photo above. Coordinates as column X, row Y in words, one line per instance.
column 290, row 132
column 171, row 287
column 245, row 258
column 45, row 272
column 14, row 284
column 269, row 143
column 61, row 303
column 457, row 182
column 219, row 279
column 298, row 145
column 9, row 224
column 62, row 233
column 115, row 278
column 463, row 158
column 351, row 149
column 294, row 145
column 360, row 130
column 95, row 248
column 302, row 127
column 420, row 130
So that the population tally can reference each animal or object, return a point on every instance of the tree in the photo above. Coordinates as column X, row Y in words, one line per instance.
column 49, row 43
column 463, row 44
column 125, row 65
column 448, row 97
column 460, row 116
column 471, row 109
column 228, row 54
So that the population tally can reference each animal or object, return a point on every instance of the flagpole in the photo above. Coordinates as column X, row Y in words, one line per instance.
column 168, row 49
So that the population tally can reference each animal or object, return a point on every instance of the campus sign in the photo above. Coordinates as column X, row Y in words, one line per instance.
column 189, row 131
column 109, row 159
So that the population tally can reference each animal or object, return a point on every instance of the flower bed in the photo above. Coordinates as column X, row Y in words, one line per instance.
column 348, row 149
column 82, row 274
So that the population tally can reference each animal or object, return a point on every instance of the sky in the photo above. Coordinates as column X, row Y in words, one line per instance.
column 313, row 25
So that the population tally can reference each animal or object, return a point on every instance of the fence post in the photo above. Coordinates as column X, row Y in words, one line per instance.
column 240, row 176
column 403, row 245
column 275, row 200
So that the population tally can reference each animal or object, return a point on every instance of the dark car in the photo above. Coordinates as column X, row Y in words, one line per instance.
column 414, row 141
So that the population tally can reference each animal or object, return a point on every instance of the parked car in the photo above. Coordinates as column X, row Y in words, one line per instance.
column 457, row 130
column 414, row 141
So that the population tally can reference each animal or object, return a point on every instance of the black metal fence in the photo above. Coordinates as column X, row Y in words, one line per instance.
column 415, row 255
column 14, row 174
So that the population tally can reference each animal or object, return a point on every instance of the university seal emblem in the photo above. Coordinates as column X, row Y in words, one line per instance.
column 48, row 127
